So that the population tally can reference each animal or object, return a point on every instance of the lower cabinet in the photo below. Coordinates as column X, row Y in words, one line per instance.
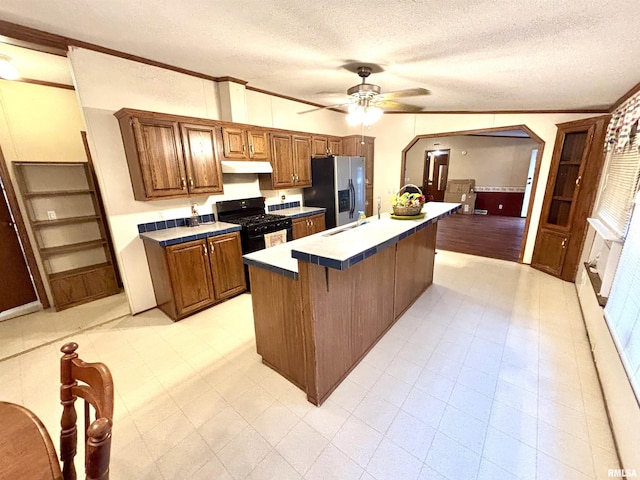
column 551, row 251
column 305, row 226
column 190, row 276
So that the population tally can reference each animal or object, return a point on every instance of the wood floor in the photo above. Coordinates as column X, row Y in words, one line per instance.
column 483, row 235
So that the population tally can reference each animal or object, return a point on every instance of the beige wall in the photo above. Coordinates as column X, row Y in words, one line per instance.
column 394, row 132
column 39, row 124
column 105, row 84
column 491, row 161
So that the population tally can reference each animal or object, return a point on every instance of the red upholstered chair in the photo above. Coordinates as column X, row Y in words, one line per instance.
column 93, row 383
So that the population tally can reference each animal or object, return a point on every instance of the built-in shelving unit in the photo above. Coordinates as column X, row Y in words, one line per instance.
column 63, row 208
column 573, row 178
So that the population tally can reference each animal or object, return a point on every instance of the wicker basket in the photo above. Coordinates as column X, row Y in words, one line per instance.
column 411, row 210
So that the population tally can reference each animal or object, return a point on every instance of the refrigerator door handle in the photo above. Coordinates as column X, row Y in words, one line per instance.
column 352, row 194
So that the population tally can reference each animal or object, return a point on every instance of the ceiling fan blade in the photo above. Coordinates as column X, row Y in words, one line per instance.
column 403, row 107
column 410, row 92
column 343, row 104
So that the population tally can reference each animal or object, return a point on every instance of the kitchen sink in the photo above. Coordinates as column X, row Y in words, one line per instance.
column 343, row 229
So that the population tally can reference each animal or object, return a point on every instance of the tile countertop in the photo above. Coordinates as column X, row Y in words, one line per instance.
column 297, row 212
column 172, row 236
column 348, row 245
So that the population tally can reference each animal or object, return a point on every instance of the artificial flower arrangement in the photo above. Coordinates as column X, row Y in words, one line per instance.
column 407, row 204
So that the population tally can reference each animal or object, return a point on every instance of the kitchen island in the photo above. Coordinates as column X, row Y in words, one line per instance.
column 322, row 302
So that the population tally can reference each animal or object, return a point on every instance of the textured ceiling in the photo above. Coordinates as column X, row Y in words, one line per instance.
column 475, row 56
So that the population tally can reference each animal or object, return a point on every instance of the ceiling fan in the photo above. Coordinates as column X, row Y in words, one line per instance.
column 366, row 103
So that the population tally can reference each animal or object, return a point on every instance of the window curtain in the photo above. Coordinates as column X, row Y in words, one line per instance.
column 622, row 171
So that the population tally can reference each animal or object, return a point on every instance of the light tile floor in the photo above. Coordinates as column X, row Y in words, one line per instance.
column 487, row 376
column 31, row 331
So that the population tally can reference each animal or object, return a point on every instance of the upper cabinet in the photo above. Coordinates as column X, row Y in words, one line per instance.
column 335, row 146
column 302, row 160
column 573, row 179
column 240, row 143
column 172, row 156
column 323, row 146
column 291, row 162
column 203, row 169
column 319, row 146
column 167, row 158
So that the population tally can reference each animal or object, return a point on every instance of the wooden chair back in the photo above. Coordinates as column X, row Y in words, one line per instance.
column 96, row 388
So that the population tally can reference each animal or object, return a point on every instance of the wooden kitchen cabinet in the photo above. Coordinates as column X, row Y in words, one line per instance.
column 167, row 158
column 335, row 146
column 291, row 162
column 240, row 143
column 204, row 174
column 576, row 164
column 323, row 146
column 305, row 226
column 225, row 258
column 319, row 146
column 302, row 160
column 357, row 145
column 190, row 276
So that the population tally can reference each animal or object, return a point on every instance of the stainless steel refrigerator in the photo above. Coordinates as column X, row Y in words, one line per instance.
column 338, row 186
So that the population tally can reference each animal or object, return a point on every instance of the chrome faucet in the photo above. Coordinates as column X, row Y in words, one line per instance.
column 378, row 208
column 194, row 221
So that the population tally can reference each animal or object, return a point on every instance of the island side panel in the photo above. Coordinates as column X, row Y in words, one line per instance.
column 277, row 318
column 414, row 267
column 345, row 313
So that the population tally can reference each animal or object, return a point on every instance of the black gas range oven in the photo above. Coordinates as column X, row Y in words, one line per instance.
column 249, row 213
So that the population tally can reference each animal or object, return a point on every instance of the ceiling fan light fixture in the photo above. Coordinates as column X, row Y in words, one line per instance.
column 361, row 114
column 7, row 70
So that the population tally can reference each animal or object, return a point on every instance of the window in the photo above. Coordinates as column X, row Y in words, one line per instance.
column 623, row 307
column 620, row 181
column 619, row 187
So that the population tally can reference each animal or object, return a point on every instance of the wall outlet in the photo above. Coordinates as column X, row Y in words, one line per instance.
column 500, row 207
column 51, row 215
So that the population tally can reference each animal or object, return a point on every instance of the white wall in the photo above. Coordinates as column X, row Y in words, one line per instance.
column 491, row 161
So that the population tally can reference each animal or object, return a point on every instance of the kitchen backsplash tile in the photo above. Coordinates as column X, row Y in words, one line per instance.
column 173, row 223
column 282, row 206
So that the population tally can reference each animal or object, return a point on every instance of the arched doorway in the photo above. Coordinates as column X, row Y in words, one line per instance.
column 491, row 167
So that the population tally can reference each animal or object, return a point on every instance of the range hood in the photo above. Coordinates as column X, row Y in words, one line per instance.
column 245, row 167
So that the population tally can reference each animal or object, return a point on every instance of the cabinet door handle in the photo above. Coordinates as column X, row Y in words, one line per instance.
column 244, row 148
column 251, row 150
column 297, row 177
column 211, row 246
column 564, row 243
column 191, row 182
column 578, row 180
column 204, row 250
column 184, row 183
column 293, row 178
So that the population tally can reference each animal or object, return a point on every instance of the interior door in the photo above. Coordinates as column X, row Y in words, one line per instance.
column 436, row 176
column 15, row 280
column 527, row 188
